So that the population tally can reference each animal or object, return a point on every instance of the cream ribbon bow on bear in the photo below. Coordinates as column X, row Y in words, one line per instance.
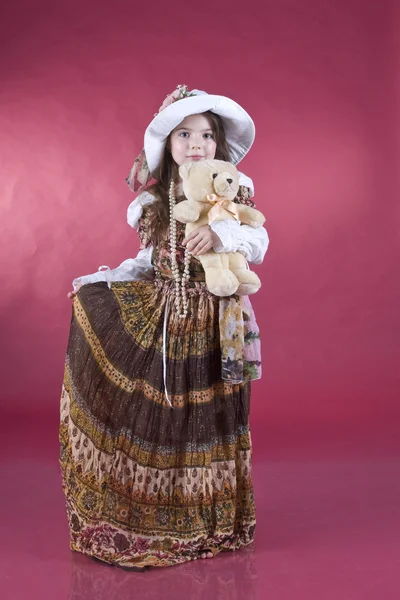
column 220, row 206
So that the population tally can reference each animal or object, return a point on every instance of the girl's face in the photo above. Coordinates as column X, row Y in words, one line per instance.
column 193, row 140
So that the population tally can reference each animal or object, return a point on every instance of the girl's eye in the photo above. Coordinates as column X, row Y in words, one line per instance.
column 208, row 136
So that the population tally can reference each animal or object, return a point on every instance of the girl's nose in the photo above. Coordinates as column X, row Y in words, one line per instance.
column 197, row 141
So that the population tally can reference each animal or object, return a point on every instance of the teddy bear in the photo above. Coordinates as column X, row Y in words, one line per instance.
column 210, row 186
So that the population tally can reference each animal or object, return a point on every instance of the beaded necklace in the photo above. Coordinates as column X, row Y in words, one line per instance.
column 181, row 300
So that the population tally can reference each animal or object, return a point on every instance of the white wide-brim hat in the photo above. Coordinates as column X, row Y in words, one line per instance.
column 239, row 126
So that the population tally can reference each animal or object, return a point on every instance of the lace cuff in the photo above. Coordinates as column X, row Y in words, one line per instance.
column 229, row 232
column 252, row 243
column 226, row 230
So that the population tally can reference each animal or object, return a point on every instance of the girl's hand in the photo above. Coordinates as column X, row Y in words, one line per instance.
column 201, row 240
column 74, row 292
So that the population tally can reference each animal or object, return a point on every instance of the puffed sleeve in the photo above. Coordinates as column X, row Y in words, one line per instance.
column 132, row 269
column 139, row 218
column 251, row 242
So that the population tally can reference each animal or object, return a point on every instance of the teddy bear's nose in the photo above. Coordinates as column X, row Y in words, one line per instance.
column 229, row 180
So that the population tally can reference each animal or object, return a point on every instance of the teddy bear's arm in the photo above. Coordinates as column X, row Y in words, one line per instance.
column 186, row 211
column 250, row 216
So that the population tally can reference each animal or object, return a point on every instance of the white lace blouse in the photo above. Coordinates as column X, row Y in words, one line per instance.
column 234, row 237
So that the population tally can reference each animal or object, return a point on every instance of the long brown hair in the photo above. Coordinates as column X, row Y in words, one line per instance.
column 169, row 170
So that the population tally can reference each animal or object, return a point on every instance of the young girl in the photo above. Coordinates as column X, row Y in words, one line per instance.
column 155, row 442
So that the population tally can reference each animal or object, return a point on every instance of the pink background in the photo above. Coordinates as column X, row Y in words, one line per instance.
column 79, row 85
column 79, row 82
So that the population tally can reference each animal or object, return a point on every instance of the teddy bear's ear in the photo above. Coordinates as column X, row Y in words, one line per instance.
column 184, row 170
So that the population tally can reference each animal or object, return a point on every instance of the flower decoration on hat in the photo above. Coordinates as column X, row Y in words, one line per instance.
column 178, row 94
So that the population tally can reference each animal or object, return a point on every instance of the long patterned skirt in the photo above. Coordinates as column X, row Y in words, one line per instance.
column 147, row 483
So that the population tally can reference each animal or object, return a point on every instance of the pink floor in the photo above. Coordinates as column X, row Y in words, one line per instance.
column 328, row 528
